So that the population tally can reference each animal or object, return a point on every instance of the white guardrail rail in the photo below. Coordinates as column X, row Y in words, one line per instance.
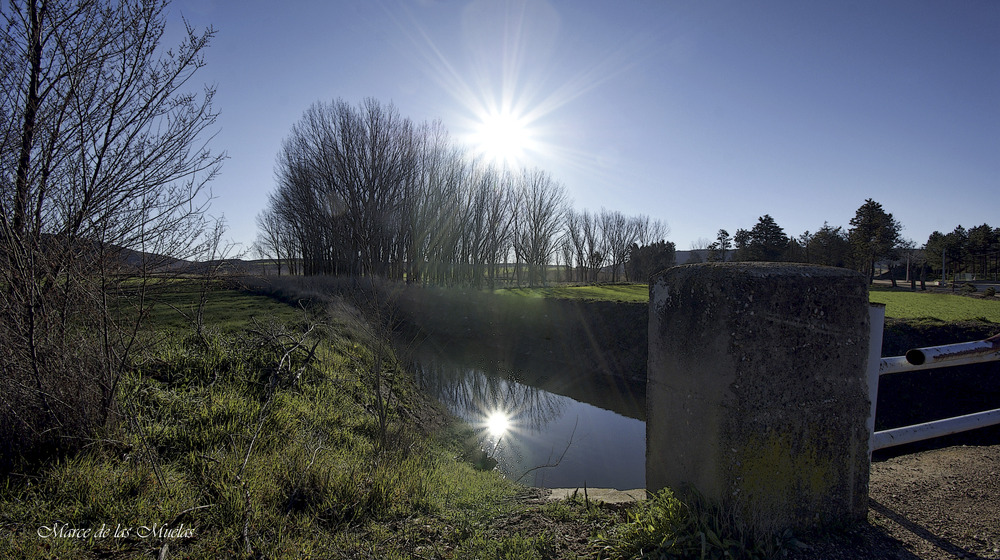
column 919, row 359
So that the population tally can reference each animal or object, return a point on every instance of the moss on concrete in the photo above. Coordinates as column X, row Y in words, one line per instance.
column 774, row 474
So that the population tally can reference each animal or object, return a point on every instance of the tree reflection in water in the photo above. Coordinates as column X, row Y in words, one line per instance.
column 487, row 398
column 473, row 394
column 524, row 427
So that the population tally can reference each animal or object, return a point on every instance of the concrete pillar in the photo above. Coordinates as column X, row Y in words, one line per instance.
column 757, row 395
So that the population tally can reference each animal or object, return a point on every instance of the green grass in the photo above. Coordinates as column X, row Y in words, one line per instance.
column 665, row 527
column 629, row 293
column 174, row 303
column 935, row 306
column 219, row 439
column 900, row 304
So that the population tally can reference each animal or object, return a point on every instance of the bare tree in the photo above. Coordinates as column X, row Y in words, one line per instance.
column 594, row 244
column 567, row 253
column 104, row 160
column 699, row 250
column 307, row 210
column 270, row 242
column 542, row 204
column 346, row 172
column 439, row 219
column 422, row 211
column 620, row 232
column 574, row 234
column 366, row 192
column 500, row 220
column 650, row 231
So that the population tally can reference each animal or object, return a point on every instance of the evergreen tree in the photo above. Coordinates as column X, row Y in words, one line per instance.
column 647, row 260
column 719, row 249
column 741, row 241
column 874, row 235
column 765, row 242
column 981, row 240
column 935, row 250
column 829, row 246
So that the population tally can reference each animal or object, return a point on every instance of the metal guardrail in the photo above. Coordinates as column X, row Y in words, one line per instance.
column 926, row 358
column 943, row 356
column 937, row 428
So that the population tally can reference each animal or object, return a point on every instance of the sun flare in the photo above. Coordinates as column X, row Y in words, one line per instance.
column 502, row 137
column 498, row 423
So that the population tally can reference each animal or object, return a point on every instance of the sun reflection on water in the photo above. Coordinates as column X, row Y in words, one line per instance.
column 527, row 433
column 497, row 423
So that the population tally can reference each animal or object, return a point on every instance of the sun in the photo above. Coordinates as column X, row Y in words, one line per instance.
column 502, row 137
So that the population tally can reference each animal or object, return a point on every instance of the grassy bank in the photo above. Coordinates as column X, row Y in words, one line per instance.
column 267, row 438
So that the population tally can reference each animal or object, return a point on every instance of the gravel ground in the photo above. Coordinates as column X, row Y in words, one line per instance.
column 936, row 504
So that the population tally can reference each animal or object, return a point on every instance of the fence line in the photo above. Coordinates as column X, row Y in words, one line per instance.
column 931, row 357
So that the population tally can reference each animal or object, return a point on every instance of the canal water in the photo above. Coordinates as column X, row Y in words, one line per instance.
column 546, row 420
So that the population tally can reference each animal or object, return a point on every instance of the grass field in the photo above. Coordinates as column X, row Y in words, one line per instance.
column 934, row 306
column 174, row 305
column 257, row 439
column 630, row 293
column 900, row 304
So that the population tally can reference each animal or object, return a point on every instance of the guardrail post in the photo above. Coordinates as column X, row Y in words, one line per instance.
column 757, row 395
column 876, row 315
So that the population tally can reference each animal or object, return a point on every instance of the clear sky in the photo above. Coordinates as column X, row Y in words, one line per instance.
column 703, row 114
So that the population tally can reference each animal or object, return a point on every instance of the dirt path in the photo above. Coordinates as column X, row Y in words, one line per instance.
column 943, row 503
column 937, row 504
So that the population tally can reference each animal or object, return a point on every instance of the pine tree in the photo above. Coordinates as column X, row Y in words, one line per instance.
column 874, row 235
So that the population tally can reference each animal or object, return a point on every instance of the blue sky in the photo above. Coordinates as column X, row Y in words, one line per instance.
column 705, row 115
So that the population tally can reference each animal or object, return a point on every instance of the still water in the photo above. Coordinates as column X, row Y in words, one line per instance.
column 547, row 421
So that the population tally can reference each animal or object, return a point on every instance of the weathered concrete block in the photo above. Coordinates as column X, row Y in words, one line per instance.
column 756, row 390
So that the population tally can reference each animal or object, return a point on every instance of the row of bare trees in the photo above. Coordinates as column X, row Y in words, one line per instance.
column 604, row 240
column 364, row 191
column 103, row 158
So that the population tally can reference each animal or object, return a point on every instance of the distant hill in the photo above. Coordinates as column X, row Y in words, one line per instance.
column 684, row 257
column 162, row 264
column 226, row 267
column 59, row 247
column 152, row 261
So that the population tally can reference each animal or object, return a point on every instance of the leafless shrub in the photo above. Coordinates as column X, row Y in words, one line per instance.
column 102, row 168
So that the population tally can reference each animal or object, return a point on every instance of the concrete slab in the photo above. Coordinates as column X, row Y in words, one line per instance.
column 606, row 495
